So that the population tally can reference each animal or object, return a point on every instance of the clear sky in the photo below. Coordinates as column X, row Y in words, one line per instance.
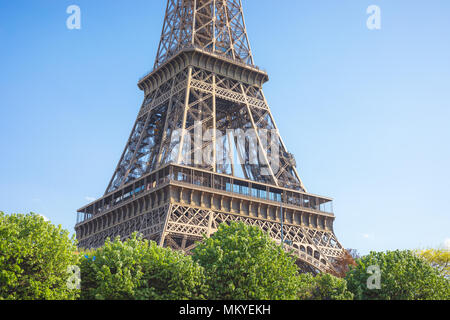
column 366, row 112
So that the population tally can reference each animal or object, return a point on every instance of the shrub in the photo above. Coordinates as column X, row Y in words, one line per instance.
column 323, row 287
column 404, row 276
column 438, row 259
column 34, row 259
column 137, row 269
column 243, row 263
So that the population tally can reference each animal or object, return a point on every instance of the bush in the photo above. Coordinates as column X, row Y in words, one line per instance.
column 238, row 262
column 170, row 275
column 438, row 259
column 34, row 259
column 243, row 263
column 139, row 270
column 323, row 287
column 404, row 276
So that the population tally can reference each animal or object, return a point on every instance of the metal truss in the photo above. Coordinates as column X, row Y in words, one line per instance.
column 214, row 25
column 180, row 227
column 120, row 224
column 205, row 80
column 219, row 103
column 316, row 248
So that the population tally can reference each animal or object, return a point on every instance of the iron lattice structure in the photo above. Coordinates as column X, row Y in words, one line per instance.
column 204, row 80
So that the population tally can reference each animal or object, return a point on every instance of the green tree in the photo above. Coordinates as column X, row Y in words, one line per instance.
column 323, row 287
column 113, row 271
column 137, row 269
column 242, row 262
column 34, row 259
column 170, row 275
column 404, row 276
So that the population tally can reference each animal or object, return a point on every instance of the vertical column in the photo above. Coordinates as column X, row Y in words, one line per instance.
column 186, row 107
column 214, row 164
column 214, row 26
column 210, row 221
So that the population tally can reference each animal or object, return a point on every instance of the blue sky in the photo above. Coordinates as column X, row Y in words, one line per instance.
column 366, row 113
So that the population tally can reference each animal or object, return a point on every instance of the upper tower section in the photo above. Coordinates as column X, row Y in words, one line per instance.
column 217, row 26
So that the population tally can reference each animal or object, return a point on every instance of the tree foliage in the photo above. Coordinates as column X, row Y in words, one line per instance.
column 140, row 270
column 438, row 259
column 243, row 263
column 404, row 276
column 34, row 259
column 323, row 287
column 238, row 262
column 343, row 263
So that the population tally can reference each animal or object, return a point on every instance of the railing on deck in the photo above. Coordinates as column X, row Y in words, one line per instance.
column 209, row 51
column 206, row 179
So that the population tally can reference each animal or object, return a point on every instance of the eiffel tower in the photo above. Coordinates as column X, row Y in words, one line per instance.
column 205, row 91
